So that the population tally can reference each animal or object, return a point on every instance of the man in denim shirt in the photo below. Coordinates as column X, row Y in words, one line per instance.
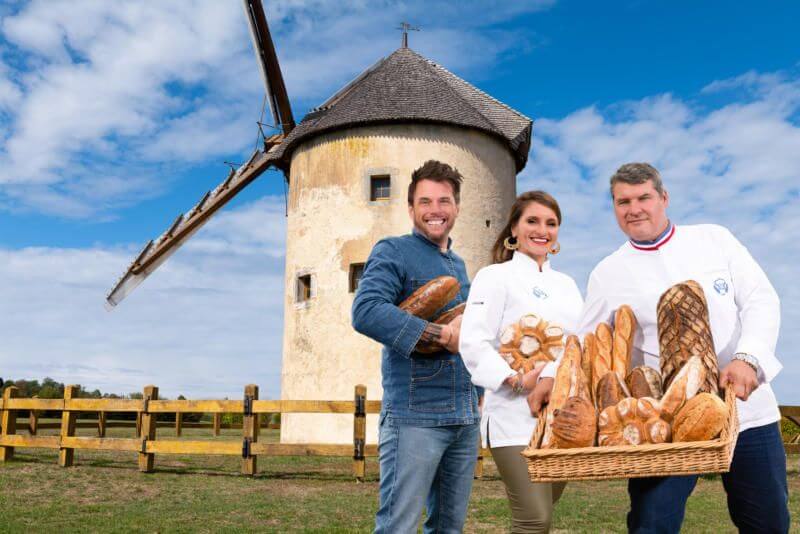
column 428, row 440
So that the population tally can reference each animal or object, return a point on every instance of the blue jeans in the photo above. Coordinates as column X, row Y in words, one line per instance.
column 417, row 461
column 758, row 494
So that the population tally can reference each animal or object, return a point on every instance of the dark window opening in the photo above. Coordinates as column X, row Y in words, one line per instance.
column 356, row 270
column 379, row 187
column 303, row 287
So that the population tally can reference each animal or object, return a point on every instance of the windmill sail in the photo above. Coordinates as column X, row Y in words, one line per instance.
column 268, row 64
column 156, row 252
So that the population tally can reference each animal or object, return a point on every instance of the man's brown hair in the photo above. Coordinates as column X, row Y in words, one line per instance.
column 438, row 172
column 637, row 173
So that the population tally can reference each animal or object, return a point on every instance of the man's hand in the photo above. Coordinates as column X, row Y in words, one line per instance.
column 451, row 343
column 540, row 395
column 741, row 377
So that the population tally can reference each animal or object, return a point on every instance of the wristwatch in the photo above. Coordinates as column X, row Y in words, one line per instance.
column 749, row 359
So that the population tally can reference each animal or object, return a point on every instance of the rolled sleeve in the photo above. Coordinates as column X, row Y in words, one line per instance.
column 375, row 313
column 480, row 328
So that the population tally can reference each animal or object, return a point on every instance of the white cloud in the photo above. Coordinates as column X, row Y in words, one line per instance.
column 99, row 84
column 209, row 321
column 736, row 164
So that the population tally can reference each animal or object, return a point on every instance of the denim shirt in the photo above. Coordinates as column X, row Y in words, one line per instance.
column 418, row 389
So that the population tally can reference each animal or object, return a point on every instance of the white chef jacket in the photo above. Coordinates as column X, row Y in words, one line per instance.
column 743, row 307
column 499, row 295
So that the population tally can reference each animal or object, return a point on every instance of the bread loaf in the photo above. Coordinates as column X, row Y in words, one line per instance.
column 532, row 342
column 575, row 424
column 586, row 367
column 700, row 419
column 529, row 323
column 599, row 369
column 644, row 382
column 604, row 339
column 432, row 297
column 568, row 383
column 632, row 422
column 448, row 316
column 684, row 331
column 683, row 387
column 622, row 346
column 610, row 390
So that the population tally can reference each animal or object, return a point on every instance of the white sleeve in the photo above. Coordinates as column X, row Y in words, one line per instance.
column 480, row 328
column 597, row 307
column 759, row 307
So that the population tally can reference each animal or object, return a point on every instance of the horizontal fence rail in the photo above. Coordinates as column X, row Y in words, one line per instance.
column 13, row 410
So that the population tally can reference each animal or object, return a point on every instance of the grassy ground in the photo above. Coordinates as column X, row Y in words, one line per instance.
column 105, row 492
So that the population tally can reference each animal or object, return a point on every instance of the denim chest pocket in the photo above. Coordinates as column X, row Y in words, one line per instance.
column 433, row 386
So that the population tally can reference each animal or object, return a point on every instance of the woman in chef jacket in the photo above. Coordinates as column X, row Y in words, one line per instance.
column 519, row 282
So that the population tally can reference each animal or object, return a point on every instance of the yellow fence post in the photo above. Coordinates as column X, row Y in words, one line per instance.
column 479, row 463
column 178, row 423
column 101, row 424
column 249, row 430
column 139, row 424
column 217, row 423
column 359, row 432
column 8, row 422
column 148, row 430
column 33, row 420
column 66, row 456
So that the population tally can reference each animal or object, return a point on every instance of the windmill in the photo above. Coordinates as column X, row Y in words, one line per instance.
column 348, row 164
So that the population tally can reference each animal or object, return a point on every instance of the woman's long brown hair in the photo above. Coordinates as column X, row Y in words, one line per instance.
column 500, row 253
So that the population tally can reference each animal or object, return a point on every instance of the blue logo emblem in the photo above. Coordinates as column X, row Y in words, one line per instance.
column 540, row 293
column 721, row 286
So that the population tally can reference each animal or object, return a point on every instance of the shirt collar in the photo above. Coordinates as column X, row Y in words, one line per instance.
column 656, row 243
column 526, row 262
column 421, row 236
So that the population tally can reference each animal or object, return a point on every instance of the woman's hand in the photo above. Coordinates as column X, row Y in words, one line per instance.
column 527, row 380
column 540, row 395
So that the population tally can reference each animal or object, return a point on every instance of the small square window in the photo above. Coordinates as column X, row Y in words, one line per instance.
column 379, row 187
column 303, row 288
column 356, row 270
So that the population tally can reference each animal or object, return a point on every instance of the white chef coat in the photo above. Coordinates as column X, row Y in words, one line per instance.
column 500, row 295
column 743, row 307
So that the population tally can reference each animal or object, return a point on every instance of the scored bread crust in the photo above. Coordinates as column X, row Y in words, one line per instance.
column 575, row 424
column 684, row 386
column 684, row 331
column 525, row 344
column 610, row 390
column 700, row 419
column 622, row 344
column 644, row 381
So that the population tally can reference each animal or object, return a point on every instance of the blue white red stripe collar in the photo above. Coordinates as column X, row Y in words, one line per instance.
column 657, row 243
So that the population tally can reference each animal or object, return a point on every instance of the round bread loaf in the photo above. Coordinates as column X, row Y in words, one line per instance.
column 700, row 419
column 644, row 382
column 575, row 424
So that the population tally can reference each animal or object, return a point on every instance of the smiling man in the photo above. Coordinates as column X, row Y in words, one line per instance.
column 428, row 441
column 744, row 313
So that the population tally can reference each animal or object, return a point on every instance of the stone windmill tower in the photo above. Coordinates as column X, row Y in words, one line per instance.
column 348, row 164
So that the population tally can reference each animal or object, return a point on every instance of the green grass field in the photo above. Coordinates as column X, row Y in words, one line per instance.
column 105, row 492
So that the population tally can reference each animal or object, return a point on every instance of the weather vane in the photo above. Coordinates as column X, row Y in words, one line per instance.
column 406, row 27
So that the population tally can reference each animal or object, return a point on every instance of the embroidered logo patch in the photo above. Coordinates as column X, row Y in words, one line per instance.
column 539, row 293
column 721, row 286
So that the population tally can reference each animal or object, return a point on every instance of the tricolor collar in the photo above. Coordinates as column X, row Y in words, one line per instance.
column 656, row 243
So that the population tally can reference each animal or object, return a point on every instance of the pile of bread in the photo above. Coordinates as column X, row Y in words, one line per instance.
column 598, row 400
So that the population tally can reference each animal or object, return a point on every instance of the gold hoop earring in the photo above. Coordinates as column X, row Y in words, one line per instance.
column 556, row 249
column 510, row 243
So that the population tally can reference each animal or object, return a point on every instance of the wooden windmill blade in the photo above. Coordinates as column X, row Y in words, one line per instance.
column 268, row 65
column 157, row 251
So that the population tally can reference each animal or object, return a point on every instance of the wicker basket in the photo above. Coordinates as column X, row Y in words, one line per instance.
column 629, row 461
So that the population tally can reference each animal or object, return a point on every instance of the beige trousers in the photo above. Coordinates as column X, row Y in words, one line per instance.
column 531, row 502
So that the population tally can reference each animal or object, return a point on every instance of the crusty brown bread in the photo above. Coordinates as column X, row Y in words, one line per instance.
column 568, row 377
column 684, row 331
column 684, row 386
column 604, row 338
column 644, row 381
column 632, row 422
column 432, row 297
column 700, row 419
column 575, row 424
column 429, row 347
column 622, row 347
column 610, row 390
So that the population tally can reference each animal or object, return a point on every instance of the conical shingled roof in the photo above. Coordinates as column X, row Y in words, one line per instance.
column 406, row 87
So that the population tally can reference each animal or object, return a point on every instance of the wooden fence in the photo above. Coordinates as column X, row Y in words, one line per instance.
column 250, row 407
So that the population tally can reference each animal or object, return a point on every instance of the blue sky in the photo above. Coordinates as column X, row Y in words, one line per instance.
column 114, row 119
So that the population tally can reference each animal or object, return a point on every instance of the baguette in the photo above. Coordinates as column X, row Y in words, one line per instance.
column 624, row 330
column 683, row 387
column 432, row 297
column 565, row 380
